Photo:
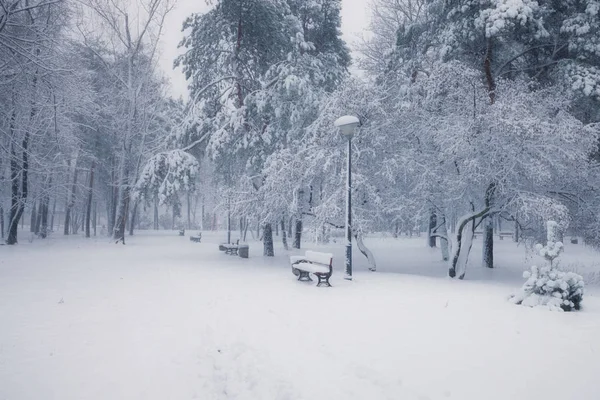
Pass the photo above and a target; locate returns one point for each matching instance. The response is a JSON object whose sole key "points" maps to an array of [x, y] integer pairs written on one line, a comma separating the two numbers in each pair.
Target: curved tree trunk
{"points": [[461, 245], [366, 252]]}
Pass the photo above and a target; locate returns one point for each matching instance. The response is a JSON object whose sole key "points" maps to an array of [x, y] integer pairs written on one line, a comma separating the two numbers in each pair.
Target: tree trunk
{"points": [[298, 234], [112, 201], [13, 217], [228, 223], [488, 230], [33, 217], [133, 218], [284, 234], [487, 67], [121, 218], [88, 214], [155, 222], [488, 242], [38, 219], [53, 214], [123, 198], [71, 200], [461, 245], [366, 252], [268, 250], [2, 222], [431, 230], [444, 241], [203, 216], [95, 217], [189, 211], [18, 197]]}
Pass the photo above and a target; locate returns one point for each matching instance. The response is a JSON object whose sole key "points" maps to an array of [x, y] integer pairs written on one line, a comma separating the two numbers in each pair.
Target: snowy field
{"points": [[164, 318]]}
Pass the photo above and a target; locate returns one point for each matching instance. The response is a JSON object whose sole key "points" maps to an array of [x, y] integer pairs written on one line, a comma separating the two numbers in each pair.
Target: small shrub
{"points": [[547, 286], [551, 288]]}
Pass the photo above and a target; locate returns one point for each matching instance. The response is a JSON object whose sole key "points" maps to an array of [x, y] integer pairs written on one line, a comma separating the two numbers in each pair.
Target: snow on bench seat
{"points": [[314, 268], [319, 264]]}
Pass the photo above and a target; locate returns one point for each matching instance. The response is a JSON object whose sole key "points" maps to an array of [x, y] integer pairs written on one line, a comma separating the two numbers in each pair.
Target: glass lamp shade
{"points": [[347, 125]]}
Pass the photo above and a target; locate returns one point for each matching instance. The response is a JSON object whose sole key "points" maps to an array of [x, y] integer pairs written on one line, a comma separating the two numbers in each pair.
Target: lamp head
{"points": [[347, 125]]}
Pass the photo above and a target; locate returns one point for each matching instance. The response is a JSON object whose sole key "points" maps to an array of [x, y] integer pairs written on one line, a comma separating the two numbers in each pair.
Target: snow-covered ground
{"points": [[164, 318]]}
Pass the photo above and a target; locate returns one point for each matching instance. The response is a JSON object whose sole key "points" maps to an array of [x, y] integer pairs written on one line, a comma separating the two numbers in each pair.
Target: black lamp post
{"points": [[347, 126]]}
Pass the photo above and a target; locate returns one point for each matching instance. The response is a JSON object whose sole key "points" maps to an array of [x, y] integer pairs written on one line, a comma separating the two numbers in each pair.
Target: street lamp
{"points": [[347, 126]]}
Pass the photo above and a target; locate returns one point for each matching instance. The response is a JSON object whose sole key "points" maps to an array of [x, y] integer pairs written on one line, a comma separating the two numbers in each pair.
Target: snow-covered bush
{"points": [[547, 286], [553, 246]]}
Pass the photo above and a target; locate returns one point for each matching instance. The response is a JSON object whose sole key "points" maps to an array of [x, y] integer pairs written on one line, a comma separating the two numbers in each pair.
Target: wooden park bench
{"points": [[502, 235], [196, 238], [313, 262]]}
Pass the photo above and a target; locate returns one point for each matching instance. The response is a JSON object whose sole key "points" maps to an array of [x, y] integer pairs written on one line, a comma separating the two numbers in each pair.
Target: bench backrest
{"points": [[318, 257]]}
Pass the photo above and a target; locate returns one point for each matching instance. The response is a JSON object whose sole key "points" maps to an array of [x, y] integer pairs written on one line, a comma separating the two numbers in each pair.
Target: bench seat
{"points": [[314, 268], [313, 262]]}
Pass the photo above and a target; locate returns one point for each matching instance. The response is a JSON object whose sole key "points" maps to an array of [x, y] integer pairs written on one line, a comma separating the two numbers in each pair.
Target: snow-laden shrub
{"points": [[547, 286]]}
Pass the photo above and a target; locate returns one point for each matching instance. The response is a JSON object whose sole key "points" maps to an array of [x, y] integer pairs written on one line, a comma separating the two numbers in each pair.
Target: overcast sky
{"points": [[354, 20]]}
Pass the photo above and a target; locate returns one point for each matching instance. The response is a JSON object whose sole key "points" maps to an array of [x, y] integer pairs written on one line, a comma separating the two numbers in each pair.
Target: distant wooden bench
{"points": [[502, 235], [235, 249], [231, 249], [182, 232], [196, 238], [313, 262]]}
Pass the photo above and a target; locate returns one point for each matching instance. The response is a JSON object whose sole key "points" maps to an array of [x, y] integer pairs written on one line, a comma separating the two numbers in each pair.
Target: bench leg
{"points": [[304, 276], [323, 280]]}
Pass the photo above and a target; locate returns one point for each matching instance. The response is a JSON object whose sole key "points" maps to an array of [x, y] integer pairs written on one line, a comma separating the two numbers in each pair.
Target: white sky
{"points": [[355, 18]]}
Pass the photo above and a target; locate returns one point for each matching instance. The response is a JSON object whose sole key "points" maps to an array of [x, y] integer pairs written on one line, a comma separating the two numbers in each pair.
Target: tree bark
{"points": [[487, 67], [431, 230], [298, 234], [95, 217], [488, 242], [53, 214], [123, 199], [18, 197], [155, 213], [268, 250], [88, 214], [189, 211], [33, 217], [40, 211], [133, 219], [71, 200], [460, 252], [284, 234], [488, 230], [444, 241], [366, 252]]}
